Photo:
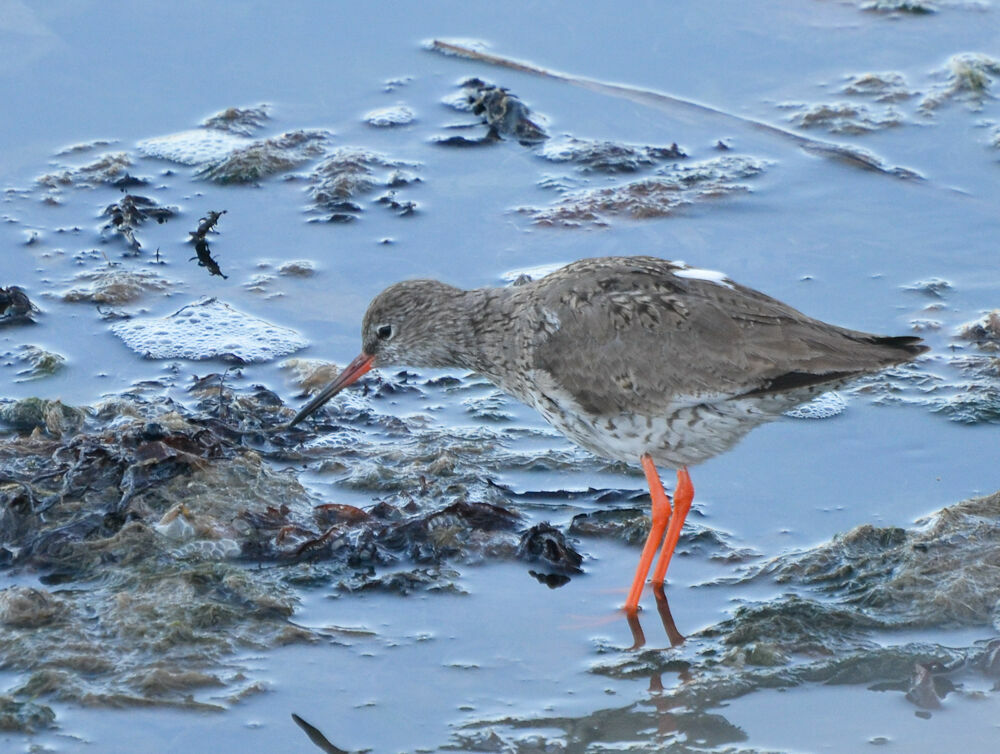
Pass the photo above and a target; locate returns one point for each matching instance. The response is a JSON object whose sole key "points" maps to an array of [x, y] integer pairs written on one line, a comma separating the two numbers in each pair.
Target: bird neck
{"points": [[480, 323]]}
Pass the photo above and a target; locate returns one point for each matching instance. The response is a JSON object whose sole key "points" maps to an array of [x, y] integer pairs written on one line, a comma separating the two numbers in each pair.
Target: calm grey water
{"points": [[838, 242]]}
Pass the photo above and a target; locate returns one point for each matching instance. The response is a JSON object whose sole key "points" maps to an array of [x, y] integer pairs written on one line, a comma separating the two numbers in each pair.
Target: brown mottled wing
{"points": [[627, 335]]}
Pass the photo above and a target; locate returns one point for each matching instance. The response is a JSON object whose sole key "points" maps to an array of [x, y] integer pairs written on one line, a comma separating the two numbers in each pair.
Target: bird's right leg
{"points": [[660, 516]]}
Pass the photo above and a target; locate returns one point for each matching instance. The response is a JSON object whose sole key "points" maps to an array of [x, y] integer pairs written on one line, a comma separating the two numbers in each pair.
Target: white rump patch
{"points": [[695, 273]]}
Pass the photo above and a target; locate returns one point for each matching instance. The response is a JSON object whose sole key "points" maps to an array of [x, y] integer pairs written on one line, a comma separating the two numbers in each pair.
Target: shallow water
{"points": [[841, 243]]}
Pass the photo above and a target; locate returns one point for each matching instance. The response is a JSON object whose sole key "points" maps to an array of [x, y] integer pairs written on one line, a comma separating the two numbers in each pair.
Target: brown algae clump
{"points": [[115, 285], [337, 184], [830, 631], [882, 87], [103, 170], [37, 362], [657, 196], [969, 76], [945, 573], [266, 157], [607, 156], [845, 118], [244, 121]]}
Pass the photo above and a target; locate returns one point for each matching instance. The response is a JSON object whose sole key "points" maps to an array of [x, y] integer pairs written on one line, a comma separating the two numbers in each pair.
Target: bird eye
{"points": [[384, 332]]}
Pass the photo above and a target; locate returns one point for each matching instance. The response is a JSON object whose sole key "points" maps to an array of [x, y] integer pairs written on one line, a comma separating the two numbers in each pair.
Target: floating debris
{"points": [[844, 118], [15, 305], [244, 121], [659, 196], [208, 329], [502, 112], [127, 214], [969, 77], [114, 285], [882, 87], [104, 170], [607, 156], [199, 237], [348, 173], [390, 117]]}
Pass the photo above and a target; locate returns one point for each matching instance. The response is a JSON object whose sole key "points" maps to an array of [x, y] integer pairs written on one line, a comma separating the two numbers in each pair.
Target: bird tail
{"points": [[908, 343]]}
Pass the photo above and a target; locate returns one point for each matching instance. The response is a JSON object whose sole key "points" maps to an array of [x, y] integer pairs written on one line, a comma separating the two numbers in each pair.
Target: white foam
{"points": [[208, 329]]}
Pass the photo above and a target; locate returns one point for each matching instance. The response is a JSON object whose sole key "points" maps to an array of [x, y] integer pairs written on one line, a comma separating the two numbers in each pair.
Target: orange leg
{"points": [[683, 496], [661, 514]]}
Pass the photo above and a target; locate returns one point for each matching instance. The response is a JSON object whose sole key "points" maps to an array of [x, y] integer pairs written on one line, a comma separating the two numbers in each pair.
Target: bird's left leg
{"points": [[683, 495], [660, 517]]}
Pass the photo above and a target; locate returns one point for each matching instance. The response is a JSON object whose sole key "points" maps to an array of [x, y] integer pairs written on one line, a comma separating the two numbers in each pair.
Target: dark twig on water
{"points": [[125, 216], [199, 238], [317, 737]]}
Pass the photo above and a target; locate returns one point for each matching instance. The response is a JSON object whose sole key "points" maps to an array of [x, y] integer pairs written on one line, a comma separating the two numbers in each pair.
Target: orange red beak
{"points": [[352, 372]]}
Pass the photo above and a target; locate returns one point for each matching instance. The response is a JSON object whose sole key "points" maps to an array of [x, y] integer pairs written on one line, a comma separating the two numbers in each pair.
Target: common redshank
{"points": [[633, 358]]}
